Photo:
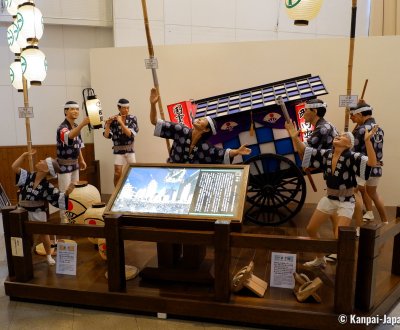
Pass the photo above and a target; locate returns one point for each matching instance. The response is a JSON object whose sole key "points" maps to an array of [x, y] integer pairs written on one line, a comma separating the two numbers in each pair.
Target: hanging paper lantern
{"points": [[301, 11], [12, 39], [12, 6], [30, 23], [16, 76], [34, 65], [94, 112]]}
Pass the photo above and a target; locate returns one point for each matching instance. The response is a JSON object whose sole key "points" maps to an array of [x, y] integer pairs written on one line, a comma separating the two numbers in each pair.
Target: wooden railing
{"points": [[220, 236]]}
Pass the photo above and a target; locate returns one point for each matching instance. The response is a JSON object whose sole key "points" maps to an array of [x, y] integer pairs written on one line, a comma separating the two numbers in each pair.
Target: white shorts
{"points": [[64, 179], [331, 206], [40, 216], [124, 159], [372, 181]]}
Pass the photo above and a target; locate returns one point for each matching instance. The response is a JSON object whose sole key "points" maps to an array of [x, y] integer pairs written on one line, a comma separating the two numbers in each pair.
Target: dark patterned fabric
{"points": [[44, 191], [121, 139], [202, 153], [322, 136], [67, 148], [350, 164], [377, 143]]}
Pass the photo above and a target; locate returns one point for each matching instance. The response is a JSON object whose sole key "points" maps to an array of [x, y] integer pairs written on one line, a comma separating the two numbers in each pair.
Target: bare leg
{"points": [[317, 219], [47, 246], [373, 193], [342, 222], [357, 215], [366, 198], [117, 173]]}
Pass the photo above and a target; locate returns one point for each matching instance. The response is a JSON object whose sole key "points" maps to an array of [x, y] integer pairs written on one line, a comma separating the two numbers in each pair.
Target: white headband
{"points": [[71, 106], [49, 162], [123, 104], [351, 137], [211, 122], [315, 105], [353, 112]]}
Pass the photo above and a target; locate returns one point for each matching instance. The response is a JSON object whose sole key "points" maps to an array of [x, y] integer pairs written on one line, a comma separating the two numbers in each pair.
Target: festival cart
{"points": [[277, 188]]}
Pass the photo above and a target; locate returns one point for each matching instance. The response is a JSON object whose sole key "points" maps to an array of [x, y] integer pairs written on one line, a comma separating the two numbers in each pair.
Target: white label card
{"points": [[16, 247], [66, 258], [283, 265]]}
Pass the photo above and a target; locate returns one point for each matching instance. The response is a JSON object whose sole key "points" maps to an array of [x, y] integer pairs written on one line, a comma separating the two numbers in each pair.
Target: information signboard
{"points": [[183, 190]]}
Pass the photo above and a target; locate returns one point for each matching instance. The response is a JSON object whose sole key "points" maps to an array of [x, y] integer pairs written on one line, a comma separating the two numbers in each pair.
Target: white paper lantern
{"points": [[94, 216], [16, 76], [95, 114], [34, 65], [12, 33], [12, 6], [30, 23], [302, 11], [80, 199]]}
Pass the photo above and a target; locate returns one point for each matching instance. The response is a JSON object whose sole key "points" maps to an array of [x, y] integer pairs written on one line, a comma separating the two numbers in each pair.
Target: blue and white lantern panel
{"points": [[34, 65], [12, 6], [16, 76], [30, 23], [12, 40], [302, 11]]}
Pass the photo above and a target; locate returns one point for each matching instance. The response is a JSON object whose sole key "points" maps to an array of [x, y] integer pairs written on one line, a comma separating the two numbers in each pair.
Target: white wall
{"points": [[175, 22], [67, 52], [199, 71], [72, 12]]}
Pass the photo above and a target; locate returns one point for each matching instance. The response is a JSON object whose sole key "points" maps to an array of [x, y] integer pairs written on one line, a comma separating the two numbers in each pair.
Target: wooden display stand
{"points": [[355, 276]]}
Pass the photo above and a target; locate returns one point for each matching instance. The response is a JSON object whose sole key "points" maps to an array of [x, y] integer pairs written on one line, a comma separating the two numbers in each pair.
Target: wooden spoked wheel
{"points": [[276, 189]]}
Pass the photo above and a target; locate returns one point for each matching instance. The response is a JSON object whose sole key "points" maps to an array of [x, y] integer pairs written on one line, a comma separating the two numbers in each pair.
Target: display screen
{"points": [[192, 191]]}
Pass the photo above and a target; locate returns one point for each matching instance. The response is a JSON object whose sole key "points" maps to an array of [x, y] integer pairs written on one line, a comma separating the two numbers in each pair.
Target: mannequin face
{"points": [[41, 166], [201, 124], [309, 115], [356, 118], [342, 141], [123, 111], [72, 113]]}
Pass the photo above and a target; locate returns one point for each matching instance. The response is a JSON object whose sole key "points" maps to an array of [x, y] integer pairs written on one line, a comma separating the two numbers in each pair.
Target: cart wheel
{"points": [[276, 189]]}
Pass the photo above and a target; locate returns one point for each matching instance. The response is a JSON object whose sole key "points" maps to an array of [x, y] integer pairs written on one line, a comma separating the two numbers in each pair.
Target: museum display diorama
{"points": [[210, 239]]}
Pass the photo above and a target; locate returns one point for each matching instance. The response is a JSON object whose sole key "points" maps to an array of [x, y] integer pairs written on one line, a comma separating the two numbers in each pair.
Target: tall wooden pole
{"points": [[364, 89], [27, 123], [350, 63], [152, 63]]}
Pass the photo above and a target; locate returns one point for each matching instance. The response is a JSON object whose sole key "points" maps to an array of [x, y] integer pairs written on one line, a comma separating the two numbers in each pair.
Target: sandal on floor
{"points": [[308, 289], [331, 257], [300, 280]]}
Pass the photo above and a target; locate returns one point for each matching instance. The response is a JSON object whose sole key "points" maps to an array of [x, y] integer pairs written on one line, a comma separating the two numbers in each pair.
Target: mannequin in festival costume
{"points": [[340, 167], [324, 132], [322, 135], [122, 129], [362, 116], [190, 145], [69, 145], [35, 190]]}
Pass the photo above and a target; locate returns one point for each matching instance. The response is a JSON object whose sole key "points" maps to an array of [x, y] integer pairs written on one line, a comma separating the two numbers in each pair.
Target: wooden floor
{"points": [[90, 288]]}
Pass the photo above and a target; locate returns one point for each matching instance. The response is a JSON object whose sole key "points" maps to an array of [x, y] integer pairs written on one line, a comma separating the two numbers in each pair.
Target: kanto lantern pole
{"points": [[27, 123], [153, 65], [350, 63]]}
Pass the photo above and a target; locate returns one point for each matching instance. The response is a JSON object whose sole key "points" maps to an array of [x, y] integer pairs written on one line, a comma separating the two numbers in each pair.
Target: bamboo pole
{"points": [[350, 62], [27, 123], [364, 89], [153, 69]]}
